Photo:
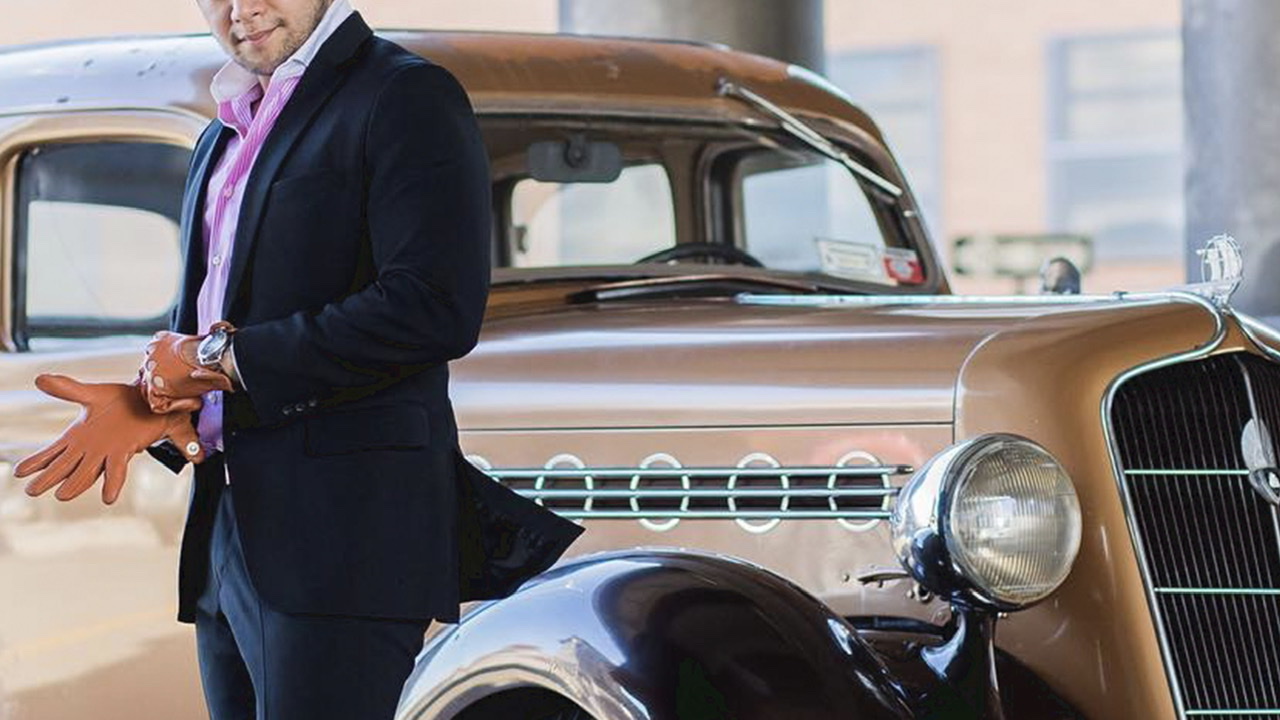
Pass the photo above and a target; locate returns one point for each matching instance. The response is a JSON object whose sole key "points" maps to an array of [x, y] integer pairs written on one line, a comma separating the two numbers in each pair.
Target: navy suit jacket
{"points": [[360, 268]]}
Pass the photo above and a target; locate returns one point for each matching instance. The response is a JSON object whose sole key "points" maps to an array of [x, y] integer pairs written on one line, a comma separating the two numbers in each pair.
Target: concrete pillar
{"points": [[1232, 94], [789, 30]]}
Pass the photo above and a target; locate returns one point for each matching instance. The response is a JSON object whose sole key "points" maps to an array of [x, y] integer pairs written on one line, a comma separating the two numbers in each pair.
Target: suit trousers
{"points": [[257, 663]]}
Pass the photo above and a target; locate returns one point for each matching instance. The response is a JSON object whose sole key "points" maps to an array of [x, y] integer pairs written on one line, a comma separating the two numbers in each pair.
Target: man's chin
{"points": [[257, 66]]}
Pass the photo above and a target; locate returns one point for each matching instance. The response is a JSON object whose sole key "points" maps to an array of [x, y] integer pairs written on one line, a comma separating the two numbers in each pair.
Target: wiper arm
{"points": [[703, 283], [802, 132]]}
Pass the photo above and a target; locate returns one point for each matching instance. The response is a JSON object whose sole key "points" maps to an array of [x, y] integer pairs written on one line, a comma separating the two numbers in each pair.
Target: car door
{"points": [[91, 264]]}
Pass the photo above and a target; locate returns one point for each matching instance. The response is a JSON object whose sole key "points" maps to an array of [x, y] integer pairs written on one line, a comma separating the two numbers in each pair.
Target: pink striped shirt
{"points": [[251, 113]]}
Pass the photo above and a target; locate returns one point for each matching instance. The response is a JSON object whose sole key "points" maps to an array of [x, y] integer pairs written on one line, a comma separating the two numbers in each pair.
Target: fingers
{"points": [[182, 405], [214, 378], [40, 459], [163, 404], [81, 479], [117, 471], [183, 435], [62, 387], [158, 403], [57, 471]]}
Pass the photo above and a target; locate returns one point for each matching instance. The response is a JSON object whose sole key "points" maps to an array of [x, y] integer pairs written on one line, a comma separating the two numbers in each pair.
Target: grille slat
{"points": [[1210, 540]]}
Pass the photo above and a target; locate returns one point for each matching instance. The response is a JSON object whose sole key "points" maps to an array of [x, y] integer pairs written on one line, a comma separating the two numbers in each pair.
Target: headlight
{"points": [[993, 520]]}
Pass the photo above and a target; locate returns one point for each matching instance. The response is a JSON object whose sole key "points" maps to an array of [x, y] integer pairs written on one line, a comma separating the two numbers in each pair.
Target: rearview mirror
{"points": [[575, 161]]}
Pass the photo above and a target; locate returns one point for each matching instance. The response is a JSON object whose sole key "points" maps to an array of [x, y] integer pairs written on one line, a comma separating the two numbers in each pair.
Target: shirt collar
{"points": [[231, 80]]}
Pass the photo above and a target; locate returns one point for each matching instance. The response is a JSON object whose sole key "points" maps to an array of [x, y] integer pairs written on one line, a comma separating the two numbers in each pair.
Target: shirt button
{"points": [[228, 192], [217, 259]]}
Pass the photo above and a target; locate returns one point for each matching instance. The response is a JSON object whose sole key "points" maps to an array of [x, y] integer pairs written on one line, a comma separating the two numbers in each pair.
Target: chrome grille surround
{"points": [[1215, 599]]}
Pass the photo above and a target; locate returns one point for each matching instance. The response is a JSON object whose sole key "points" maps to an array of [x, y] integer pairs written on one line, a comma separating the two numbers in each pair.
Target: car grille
{"points": [[1208, 539]]}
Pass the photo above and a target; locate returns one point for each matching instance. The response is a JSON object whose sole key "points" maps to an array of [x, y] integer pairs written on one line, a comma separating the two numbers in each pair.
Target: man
{"points": [[337, 227]]}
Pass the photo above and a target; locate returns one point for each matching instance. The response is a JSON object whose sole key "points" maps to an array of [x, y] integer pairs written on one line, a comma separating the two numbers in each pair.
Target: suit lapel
{"points": [[207, 150], [318, 82]]}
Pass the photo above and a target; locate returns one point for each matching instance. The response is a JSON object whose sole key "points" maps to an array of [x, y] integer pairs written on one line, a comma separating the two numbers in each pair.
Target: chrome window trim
{"points": [[749, 298], [1197, 353]]}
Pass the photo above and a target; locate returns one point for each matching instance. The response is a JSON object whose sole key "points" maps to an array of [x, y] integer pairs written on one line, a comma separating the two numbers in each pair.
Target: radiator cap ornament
{"points": [[1221, 268]]}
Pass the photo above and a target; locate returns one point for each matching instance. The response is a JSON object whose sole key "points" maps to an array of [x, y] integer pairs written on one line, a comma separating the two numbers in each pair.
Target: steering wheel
{"points": [[702, 249]]}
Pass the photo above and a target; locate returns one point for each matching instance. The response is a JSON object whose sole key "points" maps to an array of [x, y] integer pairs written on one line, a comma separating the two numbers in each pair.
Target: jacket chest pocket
{"points": [[313, 206], [312, 224], [386, 427]]}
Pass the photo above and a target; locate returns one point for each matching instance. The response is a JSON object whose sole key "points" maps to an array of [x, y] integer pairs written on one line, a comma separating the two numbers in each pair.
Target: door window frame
{"points": [[21, 133]]}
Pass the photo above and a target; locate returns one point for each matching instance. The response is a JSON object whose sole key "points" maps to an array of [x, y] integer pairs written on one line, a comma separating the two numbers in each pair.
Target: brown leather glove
{"points": [[114, 425], [171, 374]]}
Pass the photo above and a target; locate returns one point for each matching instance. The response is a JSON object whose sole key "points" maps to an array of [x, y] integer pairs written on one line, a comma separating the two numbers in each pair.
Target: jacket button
{"points": [[288, 410], [311, 402]]}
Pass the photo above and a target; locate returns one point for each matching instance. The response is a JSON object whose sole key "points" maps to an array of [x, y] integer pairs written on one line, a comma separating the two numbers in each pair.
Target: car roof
{"points": [[502, 72]]}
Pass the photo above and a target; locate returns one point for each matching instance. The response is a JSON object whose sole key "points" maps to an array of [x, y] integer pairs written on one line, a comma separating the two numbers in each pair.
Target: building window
{"points": [[1115, 144], [899, 88]]}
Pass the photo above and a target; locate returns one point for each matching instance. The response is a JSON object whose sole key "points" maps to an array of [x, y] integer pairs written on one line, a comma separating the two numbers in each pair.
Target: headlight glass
{"points": [[1014, 521]]}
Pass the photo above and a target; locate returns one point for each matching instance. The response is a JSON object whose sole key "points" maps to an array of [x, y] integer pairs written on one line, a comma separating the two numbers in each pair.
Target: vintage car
{"points": [[815, 483]]}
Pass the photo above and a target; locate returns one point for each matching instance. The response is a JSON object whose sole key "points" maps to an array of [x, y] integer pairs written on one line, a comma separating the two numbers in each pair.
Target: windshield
{"points": [[697, 194]]}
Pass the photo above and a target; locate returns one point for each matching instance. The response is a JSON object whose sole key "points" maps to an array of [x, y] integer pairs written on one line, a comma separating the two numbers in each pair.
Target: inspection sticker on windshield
{"points": [[903, 265], [856, 261]]}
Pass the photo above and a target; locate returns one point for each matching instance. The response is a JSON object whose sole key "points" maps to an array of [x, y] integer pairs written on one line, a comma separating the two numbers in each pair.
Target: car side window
{"points": [[804, 212], [593, 223], [97, 251]]}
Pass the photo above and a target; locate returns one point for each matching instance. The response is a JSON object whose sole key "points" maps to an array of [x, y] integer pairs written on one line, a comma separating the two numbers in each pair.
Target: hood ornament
{"points": [[1221, 269]]}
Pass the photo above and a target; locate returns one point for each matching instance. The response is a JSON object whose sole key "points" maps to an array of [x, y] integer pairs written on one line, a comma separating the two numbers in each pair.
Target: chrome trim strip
{"points": [[1217, 591], [1266, 711], [1187, 472], [627, 473], [727, 514], [642, 493], [1219, 334], [1250, 327], [749, 298]]}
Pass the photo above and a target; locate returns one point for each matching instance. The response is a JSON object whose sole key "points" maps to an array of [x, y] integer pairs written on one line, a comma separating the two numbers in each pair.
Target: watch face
{"points": [[210, 349]]}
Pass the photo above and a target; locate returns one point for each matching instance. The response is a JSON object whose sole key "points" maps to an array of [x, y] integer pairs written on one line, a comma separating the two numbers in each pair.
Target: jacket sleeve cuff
{"points": [[168, 455]]}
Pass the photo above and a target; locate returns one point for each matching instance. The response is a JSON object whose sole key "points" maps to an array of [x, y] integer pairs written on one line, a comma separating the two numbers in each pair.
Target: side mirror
{"points": [[575, 160], [1059, 276]]}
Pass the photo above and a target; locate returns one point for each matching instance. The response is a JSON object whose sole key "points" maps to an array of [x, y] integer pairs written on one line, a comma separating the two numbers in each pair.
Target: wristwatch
{"points": [[210, 350]]}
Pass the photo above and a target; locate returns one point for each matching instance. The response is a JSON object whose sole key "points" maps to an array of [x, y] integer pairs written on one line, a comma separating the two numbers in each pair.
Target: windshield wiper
{"points": [[802, 132], [703, 284]]}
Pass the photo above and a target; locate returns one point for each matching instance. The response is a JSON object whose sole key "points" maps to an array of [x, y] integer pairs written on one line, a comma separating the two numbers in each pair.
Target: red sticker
{"points": [[903, 265]]}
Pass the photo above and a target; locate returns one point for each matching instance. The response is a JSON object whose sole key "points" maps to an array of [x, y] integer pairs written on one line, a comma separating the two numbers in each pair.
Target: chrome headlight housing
{"points": [[992, 522]]}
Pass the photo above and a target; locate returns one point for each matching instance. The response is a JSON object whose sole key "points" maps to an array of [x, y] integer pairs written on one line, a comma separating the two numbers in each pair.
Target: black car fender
{"points": [[656, 633]]}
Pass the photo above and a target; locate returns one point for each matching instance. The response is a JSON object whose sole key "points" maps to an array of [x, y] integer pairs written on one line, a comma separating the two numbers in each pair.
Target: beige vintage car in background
{"points": [[815, 483]]}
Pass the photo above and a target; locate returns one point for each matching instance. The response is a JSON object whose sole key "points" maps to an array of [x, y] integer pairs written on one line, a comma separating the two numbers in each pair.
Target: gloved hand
{"points": [[170, 372], [114, 425]]}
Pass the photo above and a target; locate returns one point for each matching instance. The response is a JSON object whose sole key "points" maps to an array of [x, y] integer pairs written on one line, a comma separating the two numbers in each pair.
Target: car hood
{"points": [[726, 362]]}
